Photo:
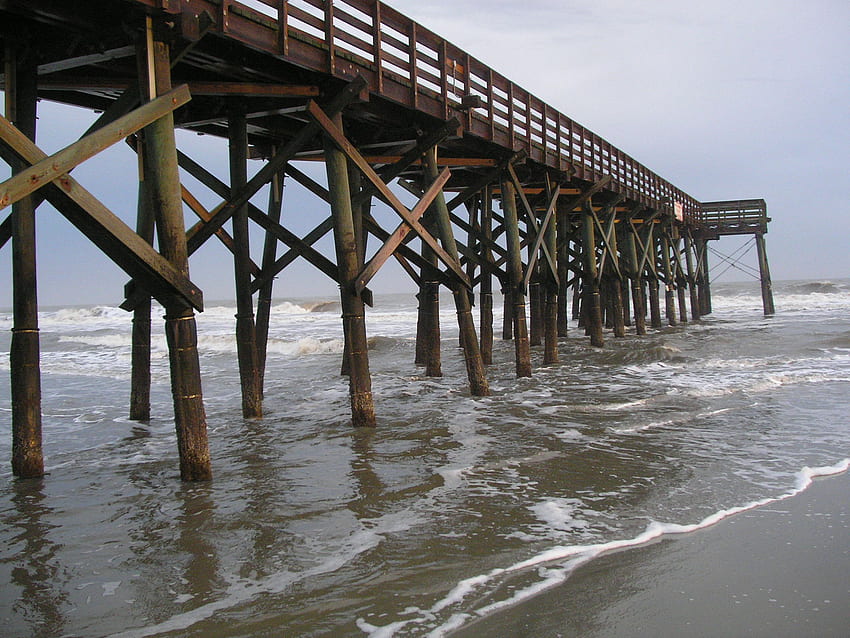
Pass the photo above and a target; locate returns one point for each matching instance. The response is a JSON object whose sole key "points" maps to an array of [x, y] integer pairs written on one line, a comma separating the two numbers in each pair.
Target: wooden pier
{"points": [[509, 191]]}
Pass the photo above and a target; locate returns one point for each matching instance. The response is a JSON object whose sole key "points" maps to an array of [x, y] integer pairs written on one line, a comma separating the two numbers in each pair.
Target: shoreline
{"points": [[776, 570]]}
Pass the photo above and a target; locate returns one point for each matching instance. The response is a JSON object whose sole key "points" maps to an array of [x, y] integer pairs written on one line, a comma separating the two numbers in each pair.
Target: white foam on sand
{"points": [[556, 564]]}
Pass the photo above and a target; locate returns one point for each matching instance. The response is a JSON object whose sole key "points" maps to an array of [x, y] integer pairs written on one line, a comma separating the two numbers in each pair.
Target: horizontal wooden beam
{"points": [[240, 89], [85, 60], [392, 159]]}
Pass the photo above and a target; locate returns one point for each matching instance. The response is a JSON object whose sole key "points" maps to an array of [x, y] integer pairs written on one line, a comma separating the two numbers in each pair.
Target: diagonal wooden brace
{"points": [[538, 242], [274, 165], [109, 233], [384, 191], [607, 235], [531, 217], [397, 237], [53, 167]]}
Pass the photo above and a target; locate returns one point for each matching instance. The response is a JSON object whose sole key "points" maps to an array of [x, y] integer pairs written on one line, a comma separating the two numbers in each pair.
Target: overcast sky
{"points": [[725, 99]]}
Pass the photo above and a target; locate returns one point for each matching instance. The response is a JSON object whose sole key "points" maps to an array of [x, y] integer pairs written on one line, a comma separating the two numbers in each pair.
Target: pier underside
{"points": [[511, 196]]}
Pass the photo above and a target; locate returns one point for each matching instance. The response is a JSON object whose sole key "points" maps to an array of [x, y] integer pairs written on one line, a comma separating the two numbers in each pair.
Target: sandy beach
{"points": [[779, 570]]}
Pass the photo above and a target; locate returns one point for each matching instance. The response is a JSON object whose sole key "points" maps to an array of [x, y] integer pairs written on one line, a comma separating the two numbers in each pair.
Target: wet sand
{"points": [[780, 570]]}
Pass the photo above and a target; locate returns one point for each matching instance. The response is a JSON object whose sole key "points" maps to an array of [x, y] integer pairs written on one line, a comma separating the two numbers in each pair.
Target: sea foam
{"points": [[557, 563]]}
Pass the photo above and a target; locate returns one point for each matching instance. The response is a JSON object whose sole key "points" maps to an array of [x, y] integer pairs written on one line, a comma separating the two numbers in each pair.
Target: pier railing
{"points": [[734, 217], [405, 62]]}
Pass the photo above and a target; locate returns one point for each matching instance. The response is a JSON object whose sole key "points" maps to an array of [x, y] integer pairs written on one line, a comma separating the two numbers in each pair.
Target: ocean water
{"points": [[452, 509]]}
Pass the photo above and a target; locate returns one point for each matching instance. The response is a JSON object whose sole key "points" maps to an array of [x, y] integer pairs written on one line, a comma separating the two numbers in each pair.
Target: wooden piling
{"points": [[264, 294], [431, 338], [140, 365], [486, 294], [692, 282], [591, 304], [550, 289], [507, 312], [180, 329], [522, 349], [654, 302], [140, 352], [353, 308], [631, 260], [563, 244], [535, 311], [681, 283], [615, 288], [764, 276], [627, 302], [705, 280], [478, 385], [669, 287], [21, 91], [246, 335]]}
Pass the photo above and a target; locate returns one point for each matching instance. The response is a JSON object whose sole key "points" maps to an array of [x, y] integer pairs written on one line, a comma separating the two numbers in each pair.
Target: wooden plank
{"points": [[109, 233], [61, 162]]}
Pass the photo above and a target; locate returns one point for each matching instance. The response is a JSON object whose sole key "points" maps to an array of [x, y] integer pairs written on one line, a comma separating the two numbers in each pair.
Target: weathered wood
{"points": [[140, 365], [564, 237], [246, 335], [109, 233], [634, 274], [53, 167], [539, 241], [399, 234], [264, 298], [691, 275], [353, 310], [429, 337], [591, 304], [386, 173], [298, 246], [204, 215], [669, 287], [705, 280], [654, 303], [531, 218], [522, 349], [764, 276], [614, 276], [550, 288], [535, 313], [25, 374], [478, 385], [180, 328], [384, 191], [486, 294], [238, 199]]}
